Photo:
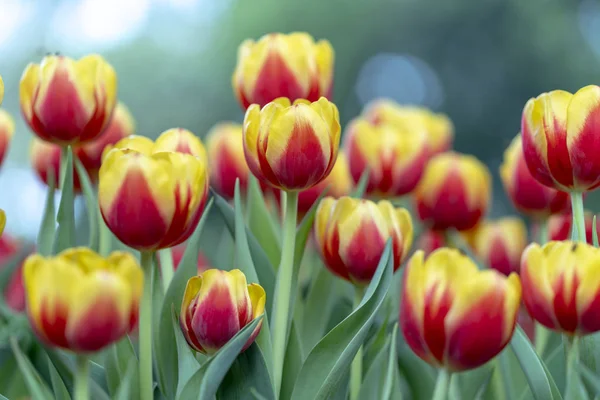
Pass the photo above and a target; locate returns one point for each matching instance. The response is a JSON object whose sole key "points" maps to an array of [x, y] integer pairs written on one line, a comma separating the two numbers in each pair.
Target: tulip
{"points": [[454, 192], [81, 301], [121, 125], [280, 65], [559, 227], [177, 253], [218, 304], [7, 130], [68, 101], [1, 90], [14, 293], [292, 147], [46, 160], [225, 145], [528, 195], [500, 243], [149, 198], [561, 286], [182, 141], [438, 128], [431, 240], [394, 156], [453, 315], [351, 235]]}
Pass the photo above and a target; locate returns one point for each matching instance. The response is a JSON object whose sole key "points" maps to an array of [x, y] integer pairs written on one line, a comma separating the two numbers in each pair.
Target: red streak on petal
{"points": [[479, 336], [357, 164], [364, 252], [589, 320], [134, 217], [584, 152], [225, 170], [534, 158], [534, 300], [499, 258], [434, 323], [565, 307], [52, 323], [331, 255], [252, 337]]}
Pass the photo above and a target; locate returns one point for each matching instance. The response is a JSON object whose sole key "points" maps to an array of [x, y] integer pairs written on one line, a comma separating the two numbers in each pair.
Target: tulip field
{"points": [[290, 257]]}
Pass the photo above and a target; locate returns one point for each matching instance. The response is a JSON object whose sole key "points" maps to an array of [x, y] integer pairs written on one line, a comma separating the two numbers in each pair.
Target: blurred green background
{"points": [[478, 61]]}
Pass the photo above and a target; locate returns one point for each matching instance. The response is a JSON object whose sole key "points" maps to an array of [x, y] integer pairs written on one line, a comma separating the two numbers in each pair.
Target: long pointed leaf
{"points": [[65, 365], [361, 186], [117, 359], [58, 386], [249, 371], [34, 382], [330, 359], [48, 226], [65, 233], [261, 223], [187, 364], [91, 203]]}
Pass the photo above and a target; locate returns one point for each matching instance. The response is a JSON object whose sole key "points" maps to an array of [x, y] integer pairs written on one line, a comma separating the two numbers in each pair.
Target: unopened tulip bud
{"points": [[81, 301], [454, 192], [292, 146], [351, 235], [68, 101], [452, 314], [293, 66], [500, 243], [218, 304], [182, 141]]}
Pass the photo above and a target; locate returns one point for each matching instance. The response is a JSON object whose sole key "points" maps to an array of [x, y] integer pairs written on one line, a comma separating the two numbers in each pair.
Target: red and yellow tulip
{"points": [[500, 243], [528, 195], [280, 65], [559, 138], [561, 286], [559, 227], [454, 192], [394, 156], [218, 304], [81, 301], [431, 240], [225, 144], [68, 101], [452, 314], [150, 198], [14, 293], [438, 128], [292, 146], [45, 159], [7, 130], [121, 125], [351, 235], [182, 141]]}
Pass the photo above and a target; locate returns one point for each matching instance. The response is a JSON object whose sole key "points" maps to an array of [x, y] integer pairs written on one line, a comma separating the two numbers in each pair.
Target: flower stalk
{"points": [[82, 391], [145, 328], [356, 367], [441, 385]]}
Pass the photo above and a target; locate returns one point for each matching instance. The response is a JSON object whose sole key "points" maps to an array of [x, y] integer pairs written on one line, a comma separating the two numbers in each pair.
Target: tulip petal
{"points": [[188, 306], [28, 88], [180, 140]]}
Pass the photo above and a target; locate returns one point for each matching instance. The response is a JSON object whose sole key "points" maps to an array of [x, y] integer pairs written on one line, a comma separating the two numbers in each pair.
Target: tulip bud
{"points": [[279, 65], [528, 195], [351, 235], [225, 145], [7, 130], [395, 157], [14, 293], [121, 125], [292, 147], [500, 243], [453, 315], [454, 192], [81, 301], [182, 141], [45, 159], [559, 227], [438, 128], [560, 139], [561, 286], [218, 304], [150, 198], [68, 101]]}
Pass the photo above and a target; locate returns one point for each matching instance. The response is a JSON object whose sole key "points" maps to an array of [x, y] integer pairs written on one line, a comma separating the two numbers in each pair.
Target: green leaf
{"points": [[292, 363], [594, 232], [187, 365], [264, 268], [65, 365], [590, 377], [361, 186], [392, 366], [533, 367], [419, 375], [34, 382], [317, 309], [205, 382], [330, 359], [65, 233], [117, 359], [48, 226], [244, 261], [249, 371], [91, 203], [481, 391], [129, 380], [58, 386], [261, 223], [165, 345]]}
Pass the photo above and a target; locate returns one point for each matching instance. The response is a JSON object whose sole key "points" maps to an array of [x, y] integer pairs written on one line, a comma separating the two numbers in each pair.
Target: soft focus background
{"points": [[478, 61]]}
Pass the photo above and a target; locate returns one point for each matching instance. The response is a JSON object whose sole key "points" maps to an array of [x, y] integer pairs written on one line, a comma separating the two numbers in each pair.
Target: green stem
{"points": [[356, 367], [283, 288], [578, 217], [167, 268], [573, 386], [441, 385], [82, 391], [542, 334], [145, 329]]}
